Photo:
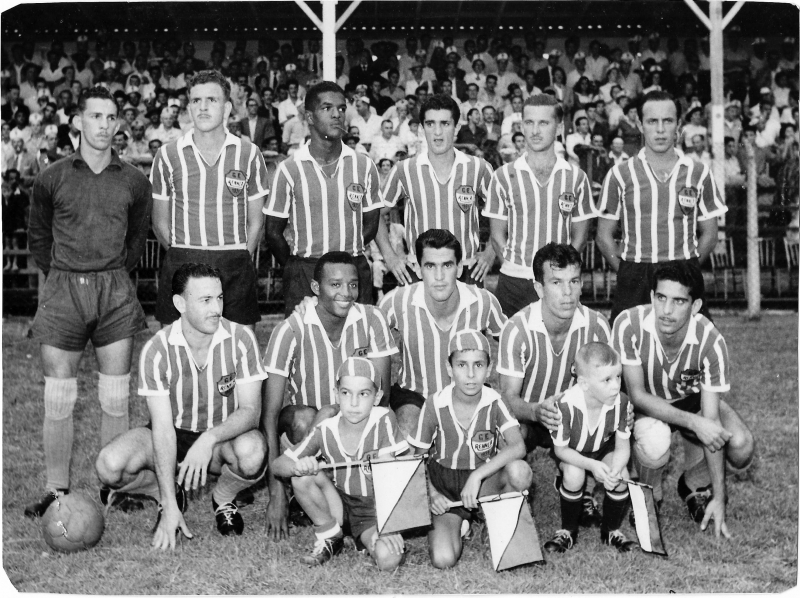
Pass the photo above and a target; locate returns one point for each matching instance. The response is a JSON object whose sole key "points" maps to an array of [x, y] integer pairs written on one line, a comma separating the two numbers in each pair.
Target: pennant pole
{"points": [[492, 498], [372, 461]]}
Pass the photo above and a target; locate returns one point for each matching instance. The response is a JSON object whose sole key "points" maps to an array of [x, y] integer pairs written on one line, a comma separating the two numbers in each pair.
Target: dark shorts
{"points": [[79, 306], [514, 293], [402, 396], [635, 281], [359, 514], [239, 283], [450, 483], [183, 441], [535, 434], [690, 404], [299, 272], [466, 277], [598, 455]]}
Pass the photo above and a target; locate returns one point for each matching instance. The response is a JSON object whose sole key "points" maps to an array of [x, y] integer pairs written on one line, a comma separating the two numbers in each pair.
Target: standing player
{"points": [[202, 379], [537, 199], [668, 204], [441, 188], [208, 188], [426, 315], [306, 351], [89, 219], [675, 364], [329, 194]]}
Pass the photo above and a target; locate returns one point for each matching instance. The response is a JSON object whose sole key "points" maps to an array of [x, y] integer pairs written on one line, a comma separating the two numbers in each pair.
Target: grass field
{"points": [[763, 509]]}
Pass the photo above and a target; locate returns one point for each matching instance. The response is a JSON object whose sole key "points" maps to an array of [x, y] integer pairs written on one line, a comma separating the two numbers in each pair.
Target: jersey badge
{"points": [[226, 384], [566, 203], [483, 443], [687, 199], [465, 196], [690, 380], [355, 195], [360, 351], [235, 180], [366, 465]]}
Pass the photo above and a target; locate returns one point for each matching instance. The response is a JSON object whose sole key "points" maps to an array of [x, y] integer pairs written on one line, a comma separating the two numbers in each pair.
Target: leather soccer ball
{"points": [[72, 522]]}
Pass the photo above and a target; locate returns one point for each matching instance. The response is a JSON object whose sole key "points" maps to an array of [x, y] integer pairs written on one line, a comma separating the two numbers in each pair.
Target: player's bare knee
{"points": [[385, 558], [407, 418], [443, 558], [300, 425], [741, 448], [519, 475], [574, 477], [652, 440], [110, 465], [250, 450], [303, 484]]}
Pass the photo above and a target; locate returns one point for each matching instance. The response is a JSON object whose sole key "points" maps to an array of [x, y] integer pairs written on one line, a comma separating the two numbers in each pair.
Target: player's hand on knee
{"points": [[306, 466], [305, 305], [548, 414], [602, 474], [194, 468], [394, 543], [715, 509], [469, 494], [711, 434], [439, 503], [171, 522]]}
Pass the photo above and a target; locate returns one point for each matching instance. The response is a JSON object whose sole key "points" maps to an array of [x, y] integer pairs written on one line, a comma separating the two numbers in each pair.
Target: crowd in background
{"points": [[599, 85]]}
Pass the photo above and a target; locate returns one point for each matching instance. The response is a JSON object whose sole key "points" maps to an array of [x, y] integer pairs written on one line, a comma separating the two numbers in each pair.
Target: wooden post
{"points": [[753, 264]]}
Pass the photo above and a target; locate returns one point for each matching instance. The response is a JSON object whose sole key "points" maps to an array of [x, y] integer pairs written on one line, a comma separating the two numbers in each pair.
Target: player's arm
{"points": [[498, 230], [606, 243], [715, 460], [620, 456], [383, 366], [372, 221], [570, 456], [546, 412], [513, 450], [275, 240], [272, 402], [255, 221], [138, 223], [706, 237], [40, 225], [395, 263], [579, 234], [161, 221]]}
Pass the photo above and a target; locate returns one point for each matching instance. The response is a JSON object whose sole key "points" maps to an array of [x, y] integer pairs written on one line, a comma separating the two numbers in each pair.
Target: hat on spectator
{"points": [[109, 64], [450, 49], [262, 58], [362, 86], [138, 122], [414, 121], [123, 132], [51, 131], [626, 57], [759, 41], [420, 52], [364, 99], [764, 90], [82, 38], [501, 56], [469, 340], [35, 119], [132, 89], [613, 65], [16, 134], [655, 69], [66, 67], [127, 107], [438, 44], [555, 52], [733, 104], [789, 40], [654, 35], [692, 110], [579, 56], [174, 102], [635, 38], [361, 367], [291, 67]]}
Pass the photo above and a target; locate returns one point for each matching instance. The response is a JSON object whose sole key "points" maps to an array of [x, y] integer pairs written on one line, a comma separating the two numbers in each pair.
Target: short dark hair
{"points": [[684, 273], [313, 94], [332, 257], [437, 238], [543, 99], [658, 96], [210, 76], [101, 93], [191, 270], [517, 134], [440, 101], [558, 255]]}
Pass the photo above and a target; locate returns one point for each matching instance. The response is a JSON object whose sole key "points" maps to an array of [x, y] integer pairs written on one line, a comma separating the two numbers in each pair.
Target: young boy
{"points": [[359, 430], [593, 436], [459, 425]]}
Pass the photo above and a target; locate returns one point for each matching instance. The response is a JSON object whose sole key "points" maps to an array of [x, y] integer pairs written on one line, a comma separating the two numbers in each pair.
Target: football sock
{"points": [[145, 483], [614, 505], [571, 509], [327, 530], [652, 477], [229, 485], [113, 393], [60, 395], [697, 476]]}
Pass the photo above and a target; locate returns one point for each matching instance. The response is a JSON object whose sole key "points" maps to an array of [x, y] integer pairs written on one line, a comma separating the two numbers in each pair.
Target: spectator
{"points": [[255, 127], [560, 89], [544, 77], [289, 106], [138, 151], [472, 103], [417, 80], [368, 122], [653, 80], [23, 162], [596, 64], [476, 74], [694, 126], [394, 90], [386, 145], [504, 76], [628, 79], [493, 131], [579, 72], [630, 130], [295, 131], [698, 151], [582, 94], [489, 97], [733, 122], [617, 151], [530, 89], [471, 135], [579, 143], [13, 102], [166, 131], [513, 113], [15, 204]]}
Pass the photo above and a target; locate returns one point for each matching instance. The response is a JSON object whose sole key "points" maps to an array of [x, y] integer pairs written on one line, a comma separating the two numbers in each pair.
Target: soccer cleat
{"points": [[695, 501], [37, 509], [297, 516], [126, 503], [180, 498], [618, 540], [229, 521], [590, 516], [562, 541], [324, 550], [244, 498]]}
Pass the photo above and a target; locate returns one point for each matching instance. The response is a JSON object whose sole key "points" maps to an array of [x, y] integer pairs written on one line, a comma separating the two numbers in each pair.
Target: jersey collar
{"points": [[461, 158], [649, 324], [521, 163], [536, 322], [466, 296], [188, 139], [683, 160], [304, 153], [177, 338], [311, 318], [446, 399], [372, 420]]}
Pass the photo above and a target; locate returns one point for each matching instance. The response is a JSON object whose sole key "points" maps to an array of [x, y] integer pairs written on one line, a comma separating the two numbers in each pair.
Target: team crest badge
{"points": [[366, 466], [235, 180], [226, 384], [483, 443], [360, 351], [355, 195], [690, 380], [687, 199], [566, 203], [465, 196]]}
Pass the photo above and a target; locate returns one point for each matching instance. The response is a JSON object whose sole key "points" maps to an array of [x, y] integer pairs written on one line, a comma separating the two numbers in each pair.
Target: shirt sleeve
{"points": [[503, 419], [711, 202], [138, 220], [372, 198], [160, 176], [310, 446], [584, 205], [394, 188], [280, 353], [484, 181], [40, 223], [387, 307], [281, 195], [153, 366], [561, 436], [622, 429], [513, 353], [611, 195], [715, 366], [426, 426], [624, 340], [496, 319], [381, 340], [249, 368], [497, 198], [602, 331], [257, 179], [392, 441]]}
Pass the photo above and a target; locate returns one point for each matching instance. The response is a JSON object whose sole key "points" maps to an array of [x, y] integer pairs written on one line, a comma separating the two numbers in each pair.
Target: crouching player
{"points": [[461, 423], [360, 430], [593, 436]]}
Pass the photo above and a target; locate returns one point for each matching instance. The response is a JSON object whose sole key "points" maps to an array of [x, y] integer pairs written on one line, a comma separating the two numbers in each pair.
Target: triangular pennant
{"points": [[401, 495], [647, 526], [513, 538]]}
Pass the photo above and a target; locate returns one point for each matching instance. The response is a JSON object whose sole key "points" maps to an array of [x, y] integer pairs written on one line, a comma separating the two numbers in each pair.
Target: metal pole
{"points": [[717, 94], [753, 264], [329, 40]]}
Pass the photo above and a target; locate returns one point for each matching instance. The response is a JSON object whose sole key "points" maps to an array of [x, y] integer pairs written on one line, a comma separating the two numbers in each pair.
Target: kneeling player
{"points": [[593, 436], [675, 364], [202, 378], [360, 429], [461, 423]]}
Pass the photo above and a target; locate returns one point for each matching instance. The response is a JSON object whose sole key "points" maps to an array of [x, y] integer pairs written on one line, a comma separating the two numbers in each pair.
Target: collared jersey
{"points": [[659, 220], [526, 350], [381, 437], [424, 343], [456, 446], [537, 214], [209, 202], [574, 429], [429, 203], [202, 396], [702, 363], [325, 213], [300, 350]]}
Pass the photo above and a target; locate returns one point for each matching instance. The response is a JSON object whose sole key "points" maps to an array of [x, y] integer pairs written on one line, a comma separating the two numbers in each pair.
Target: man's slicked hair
{"points": [[440, 101], [101, 93], [210, 76], [437, 238], [558, 255], [192, 270], [313, 94], [658, 96], [332, 257], [544, 99], [684, 273]]}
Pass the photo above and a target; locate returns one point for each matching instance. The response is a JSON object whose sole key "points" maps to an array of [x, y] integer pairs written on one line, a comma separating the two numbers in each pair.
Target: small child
{"points": [[593, 436], [461, 423], [360, 429]]}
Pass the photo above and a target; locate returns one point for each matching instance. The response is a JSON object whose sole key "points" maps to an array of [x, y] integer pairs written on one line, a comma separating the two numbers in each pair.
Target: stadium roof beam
{"points": [[328, 25], [499, 18]]}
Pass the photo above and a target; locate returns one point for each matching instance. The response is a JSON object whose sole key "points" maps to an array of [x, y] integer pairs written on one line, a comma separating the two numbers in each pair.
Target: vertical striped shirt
{"points": [[325, 213], [209, 202], [381, 437], [456, 446], [574, 429], [424, 343], [202, 396], [659, 220], [526, 350], [451, 205], [537, 214], [300, 350], [702, 363]]}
